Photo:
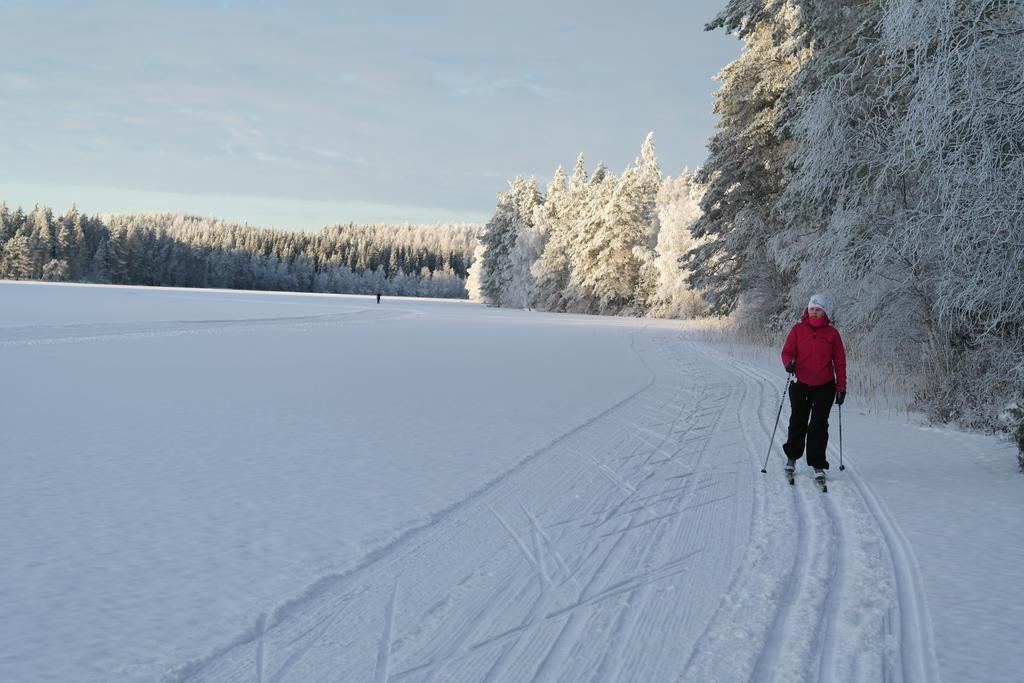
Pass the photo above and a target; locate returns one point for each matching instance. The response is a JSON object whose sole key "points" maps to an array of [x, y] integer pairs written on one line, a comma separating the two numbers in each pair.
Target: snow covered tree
{"points": [[522, 290], [742, 17], [619, 242], [744, 172], [678, 209], [117, 255], [596, 254], [16, 263], [561, 212], [473, 279], [513, 215], [41, 240], [55, 270], [834, 164], [648, 185], [71, 243], [1012, 418], [7, 227], [597, 235], [964, 124], [99, 269]]}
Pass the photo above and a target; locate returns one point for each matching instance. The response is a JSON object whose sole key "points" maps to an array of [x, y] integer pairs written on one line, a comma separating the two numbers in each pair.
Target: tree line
{"points": [[594, 242], [188, 251]]}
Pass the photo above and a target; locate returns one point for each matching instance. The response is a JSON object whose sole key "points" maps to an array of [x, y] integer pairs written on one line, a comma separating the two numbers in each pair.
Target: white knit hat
{"points": [[819, 301]]}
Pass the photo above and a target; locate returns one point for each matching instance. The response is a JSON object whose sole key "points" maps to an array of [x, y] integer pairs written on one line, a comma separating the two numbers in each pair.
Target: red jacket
{"points": [[819, 353]]}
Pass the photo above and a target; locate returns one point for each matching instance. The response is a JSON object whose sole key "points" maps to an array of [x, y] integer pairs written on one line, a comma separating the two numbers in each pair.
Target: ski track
{"points": [[642, 545], [31, 335], [843, 607]]}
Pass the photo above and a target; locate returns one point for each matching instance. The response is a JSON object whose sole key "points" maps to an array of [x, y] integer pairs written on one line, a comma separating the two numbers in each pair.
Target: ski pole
{"points": [[841, 465], [769, 453]]}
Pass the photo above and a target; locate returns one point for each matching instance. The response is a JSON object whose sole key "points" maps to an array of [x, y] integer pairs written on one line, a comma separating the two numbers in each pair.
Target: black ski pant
{"points": [[808, 422]]}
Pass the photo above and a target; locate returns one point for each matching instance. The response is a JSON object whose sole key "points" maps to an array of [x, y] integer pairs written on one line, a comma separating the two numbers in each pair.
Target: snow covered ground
{"points": [[222, 486]]}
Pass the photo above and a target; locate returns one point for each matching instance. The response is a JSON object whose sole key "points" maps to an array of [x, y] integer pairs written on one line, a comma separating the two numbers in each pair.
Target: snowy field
{"points": [[223, 486]]}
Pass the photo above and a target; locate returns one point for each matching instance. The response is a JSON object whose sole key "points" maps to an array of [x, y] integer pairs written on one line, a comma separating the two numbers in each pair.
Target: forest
{"points": [[187, 251]]}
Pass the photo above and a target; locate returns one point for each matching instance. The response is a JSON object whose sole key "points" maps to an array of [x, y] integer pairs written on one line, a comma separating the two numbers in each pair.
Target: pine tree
{"points": [[678, 210], [474, 278], [514, 214], [561, 213], [16, 263], [744, 172], [100, 269], [591, 236], [72, 243], [649, 183], [619, 236], [522, 290], [55, 270], [7, 227], [41, 240]]}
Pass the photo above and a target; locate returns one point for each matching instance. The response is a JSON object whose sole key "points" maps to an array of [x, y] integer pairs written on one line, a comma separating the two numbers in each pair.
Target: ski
{"points": [[790, 477], [820, 481]]}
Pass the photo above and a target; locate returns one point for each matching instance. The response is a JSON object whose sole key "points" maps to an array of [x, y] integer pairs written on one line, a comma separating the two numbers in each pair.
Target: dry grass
{"points": [[876, 385]]}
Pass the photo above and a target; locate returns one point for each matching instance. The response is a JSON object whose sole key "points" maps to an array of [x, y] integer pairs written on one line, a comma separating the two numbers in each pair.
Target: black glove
{"points": [[791, 366], [840, 397]]}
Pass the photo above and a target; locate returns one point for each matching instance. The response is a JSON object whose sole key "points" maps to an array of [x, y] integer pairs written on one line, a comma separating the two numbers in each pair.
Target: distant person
{"points": [[814, 351], [378, 297]]}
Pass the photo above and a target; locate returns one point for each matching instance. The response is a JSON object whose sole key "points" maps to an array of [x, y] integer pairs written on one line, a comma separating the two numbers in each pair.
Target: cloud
{"points": [[469, 86], [338, 156], [348, 101], [265, 158], [263, 211]]}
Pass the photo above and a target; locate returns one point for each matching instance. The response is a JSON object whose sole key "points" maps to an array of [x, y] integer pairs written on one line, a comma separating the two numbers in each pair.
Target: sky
{"points": [[299, 114]]}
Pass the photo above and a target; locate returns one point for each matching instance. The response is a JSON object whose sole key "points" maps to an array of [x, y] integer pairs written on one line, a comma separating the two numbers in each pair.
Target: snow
{"points": [[210, 485]]}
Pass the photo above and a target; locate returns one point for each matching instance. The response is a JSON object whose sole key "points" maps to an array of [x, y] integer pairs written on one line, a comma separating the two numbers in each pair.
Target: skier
{"points": [[378, 297], [814, 351]]}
